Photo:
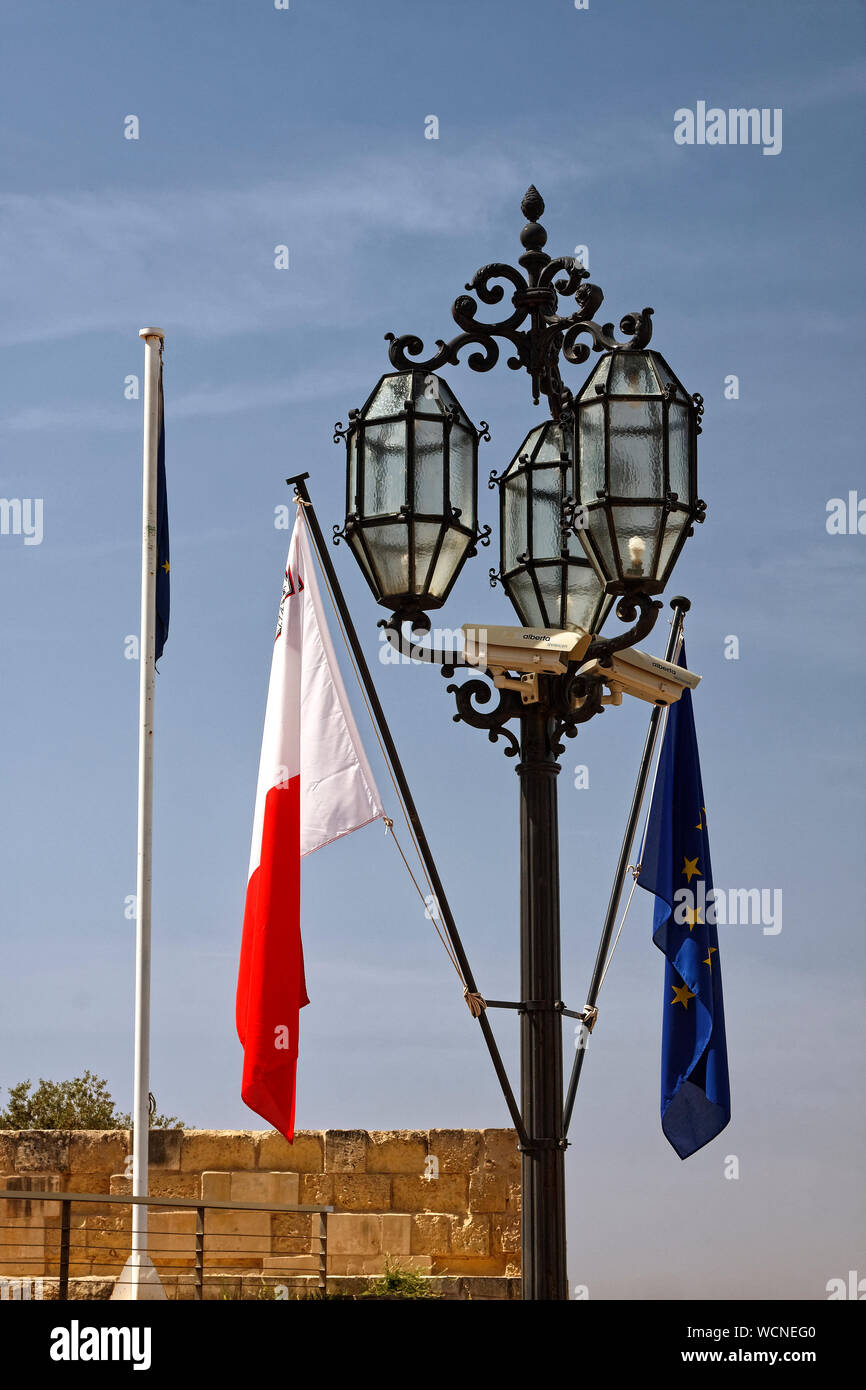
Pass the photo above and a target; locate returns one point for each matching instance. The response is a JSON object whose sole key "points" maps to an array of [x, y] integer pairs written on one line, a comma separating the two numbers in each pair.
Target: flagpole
{"points": [[298, 482], [153, 341], [680, 606]]}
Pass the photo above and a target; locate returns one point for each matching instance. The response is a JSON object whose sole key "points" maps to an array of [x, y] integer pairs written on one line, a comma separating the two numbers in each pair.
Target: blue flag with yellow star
{"points": [[163, 583], [675, 866]]}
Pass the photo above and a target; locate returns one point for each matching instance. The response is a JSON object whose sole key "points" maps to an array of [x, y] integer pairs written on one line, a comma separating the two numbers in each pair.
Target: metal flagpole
{"points": [[139, 1261], [299, 484], [680, 606]]}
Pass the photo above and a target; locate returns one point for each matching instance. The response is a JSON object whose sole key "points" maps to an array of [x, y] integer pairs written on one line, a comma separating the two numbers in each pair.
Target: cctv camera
{"points": [[646, 677]]}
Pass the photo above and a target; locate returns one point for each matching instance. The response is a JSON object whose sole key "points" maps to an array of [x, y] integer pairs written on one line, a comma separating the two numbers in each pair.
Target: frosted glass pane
{"points": [[638, 523], [389, 546], [591, 451], [678, 451], [390, 397], [454, 547], [549, 579], [426, 540], [521, 591], [630, 375], [462, 483], [553, 446], [429, 468], [636, 465], [514, 541], [676, 523], [584, 594], [384, 468], [546, 512]]}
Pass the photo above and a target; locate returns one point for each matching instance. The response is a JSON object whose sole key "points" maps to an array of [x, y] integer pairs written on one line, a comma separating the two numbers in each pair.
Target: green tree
{"points": [[82, 1103]]}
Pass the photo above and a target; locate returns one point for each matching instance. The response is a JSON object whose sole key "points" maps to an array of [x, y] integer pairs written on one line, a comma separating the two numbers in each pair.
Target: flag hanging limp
{"points": [[315, 785], [163, 583], [675, 866]]}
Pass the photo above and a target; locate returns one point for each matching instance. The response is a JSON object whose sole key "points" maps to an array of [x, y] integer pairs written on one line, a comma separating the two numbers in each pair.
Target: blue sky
{"points": [[306, 128]]}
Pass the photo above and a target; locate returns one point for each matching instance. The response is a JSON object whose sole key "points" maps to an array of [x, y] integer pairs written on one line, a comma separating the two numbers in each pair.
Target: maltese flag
{"points": [[315, 785]]}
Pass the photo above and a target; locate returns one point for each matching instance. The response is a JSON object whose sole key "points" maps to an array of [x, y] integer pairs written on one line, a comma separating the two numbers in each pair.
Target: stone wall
{"points": [[443, 1202]]}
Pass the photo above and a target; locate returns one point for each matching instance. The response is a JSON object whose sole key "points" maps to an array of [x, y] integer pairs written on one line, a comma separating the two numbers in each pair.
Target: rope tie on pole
{"points": [[474, 1002]]}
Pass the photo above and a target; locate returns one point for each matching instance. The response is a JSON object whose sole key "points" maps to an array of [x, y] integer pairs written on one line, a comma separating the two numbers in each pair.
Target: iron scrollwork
{"points": [[535, 297]]}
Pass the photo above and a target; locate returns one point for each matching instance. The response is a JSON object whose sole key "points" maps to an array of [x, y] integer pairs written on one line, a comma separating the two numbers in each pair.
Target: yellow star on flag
{"points": [[165, 566], [700, 824], [682, 995], [690, 868], [694, 918], [709, 959]]}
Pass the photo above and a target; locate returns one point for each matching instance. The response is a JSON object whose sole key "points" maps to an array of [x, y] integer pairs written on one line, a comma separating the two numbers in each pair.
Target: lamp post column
{"points": [[543, 1165]]}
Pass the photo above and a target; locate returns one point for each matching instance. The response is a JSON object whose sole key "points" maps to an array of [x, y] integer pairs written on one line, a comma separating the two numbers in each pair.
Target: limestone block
{"points": [[375, 1264], [431, 1235], [216, 1187], [345, 1151], [397, 1234], [87, 1182], [354, 1234], [486, 1288], [291, 1264], [164, 1148], [292, 1223], [363, 1192], [397, 1151], [470, 1235], [8, 1147], [280, 1188], [500, 1152], [505, 1235], [317, 1189], [456, 1149], [513, 1198], [468, 1264], [448, 1193], [159, 1185], [242, 1234], [171, 1237], [42, 1151], [487, 1192], [305, 1155], [97, 1151], [208, 1149]]}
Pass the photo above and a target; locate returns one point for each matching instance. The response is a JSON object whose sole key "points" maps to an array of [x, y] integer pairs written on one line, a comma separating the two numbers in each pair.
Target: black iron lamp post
{"points": [[595, 507]]}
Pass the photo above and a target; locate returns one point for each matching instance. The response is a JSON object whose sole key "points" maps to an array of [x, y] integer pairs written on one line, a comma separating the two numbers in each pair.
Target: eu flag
{"points": [[163, 583], [675, 866]]}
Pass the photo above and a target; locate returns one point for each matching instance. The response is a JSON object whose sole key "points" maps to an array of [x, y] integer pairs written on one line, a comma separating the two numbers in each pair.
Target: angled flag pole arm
{"points": [[299, 482], [680, 606]]}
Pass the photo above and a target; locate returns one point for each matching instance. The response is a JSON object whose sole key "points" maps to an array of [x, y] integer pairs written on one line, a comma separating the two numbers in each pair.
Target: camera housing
{"points": [[641, 675]]}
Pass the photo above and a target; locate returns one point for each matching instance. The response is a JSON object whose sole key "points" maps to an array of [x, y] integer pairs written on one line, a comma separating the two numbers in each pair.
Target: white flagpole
{"points": [[139, 1262]]}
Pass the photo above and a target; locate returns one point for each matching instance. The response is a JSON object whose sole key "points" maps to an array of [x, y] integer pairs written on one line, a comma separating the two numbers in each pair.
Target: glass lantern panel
{"points": [[514, 539], [631, 375], [360, 556], [521, 591], [636, 525], [454, 547], [597, 378], [591, 451], [678, 451], [389, 548], [384, 468], [636, 463], [390, 398], [674, 527], [584, 596], [598, 532], [553, 445], [462, 470], [666, 376], [429, 468], [432, 394], [546, 486], [550, 581], [426, 540], [352, 474]]}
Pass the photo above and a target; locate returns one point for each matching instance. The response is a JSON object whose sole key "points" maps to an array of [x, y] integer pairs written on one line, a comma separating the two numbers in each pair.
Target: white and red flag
{"points": [[315, 785]]}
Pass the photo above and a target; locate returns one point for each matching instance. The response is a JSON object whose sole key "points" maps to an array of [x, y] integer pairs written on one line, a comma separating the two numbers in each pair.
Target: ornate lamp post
{"points": [[595, 507]]}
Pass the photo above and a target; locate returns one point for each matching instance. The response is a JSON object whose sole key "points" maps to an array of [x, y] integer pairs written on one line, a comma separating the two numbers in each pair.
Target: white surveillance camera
{"points": [[643, 676], [528, 650]]}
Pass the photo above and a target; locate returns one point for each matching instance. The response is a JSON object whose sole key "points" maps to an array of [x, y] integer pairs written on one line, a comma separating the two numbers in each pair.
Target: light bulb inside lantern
{"points": [[636, 548]]}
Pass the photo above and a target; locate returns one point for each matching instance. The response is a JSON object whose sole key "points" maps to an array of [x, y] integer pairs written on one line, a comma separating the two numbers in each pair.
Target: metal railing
{"points": [[318, 1234]]}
